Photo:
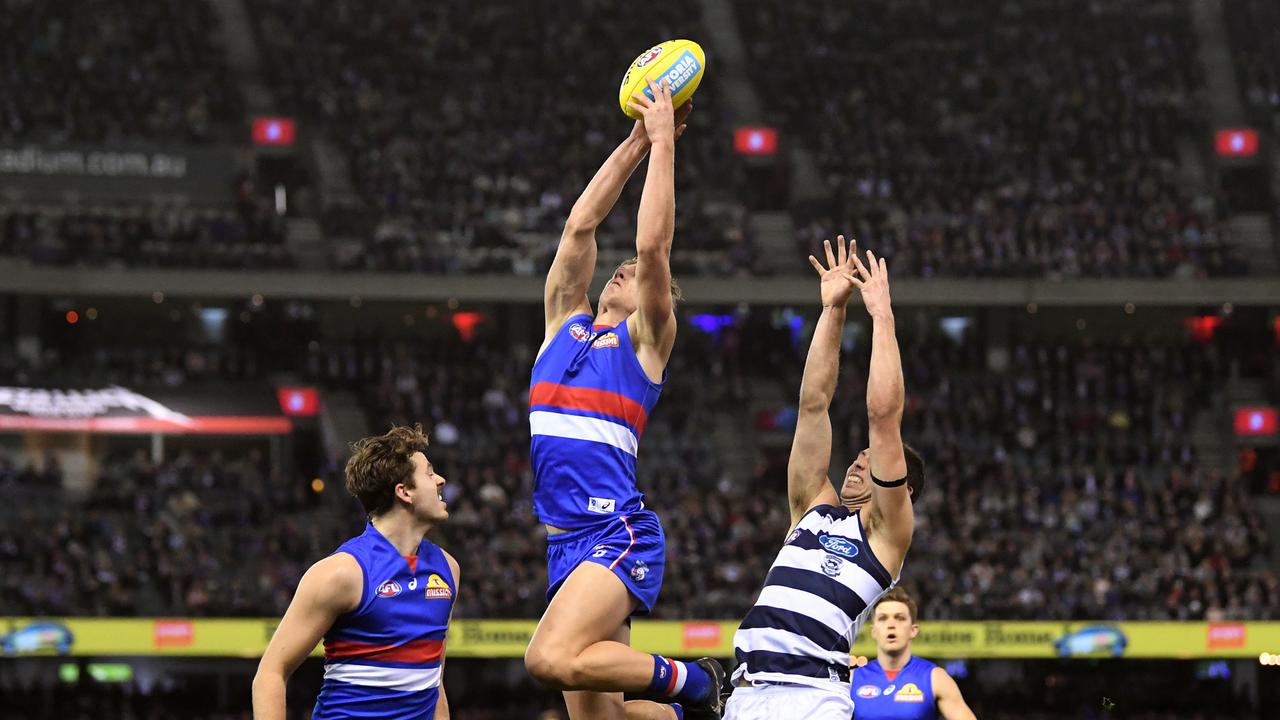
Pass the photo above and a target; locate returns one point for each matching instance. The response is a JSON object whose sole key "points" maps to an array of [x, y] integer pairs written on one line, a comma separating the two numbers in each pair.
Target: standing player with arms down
{"points": [[843, 551], [594, 383], [382, 601], [897, 685]]}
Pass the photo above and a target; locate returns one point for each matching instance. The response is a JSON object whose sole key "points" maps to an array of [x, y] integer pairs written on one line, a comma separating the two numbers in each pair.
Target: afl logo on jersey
{"points": [[839, 546], [389, 589], [866, 692], [579, 332]]}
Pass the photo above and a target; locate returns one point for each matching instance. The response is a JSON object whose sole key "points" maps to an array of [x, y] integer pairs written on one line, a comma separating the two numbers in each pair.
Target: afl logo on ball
{"points": [[389, 589], [648, 56]]}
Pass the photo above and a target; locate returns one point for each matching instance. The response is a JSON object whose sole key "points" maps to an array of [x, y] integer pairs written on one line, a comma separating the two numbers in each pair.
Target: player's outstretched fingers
{"points": [[862, 269], [816, 265], [831, 258], [842, 253]]}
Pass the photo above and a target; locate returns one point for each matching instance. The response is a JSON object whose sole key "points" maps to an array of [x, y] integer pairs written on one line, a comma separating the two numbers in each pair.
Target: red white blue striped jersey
{"points": [[383, 659], [589, 400]]}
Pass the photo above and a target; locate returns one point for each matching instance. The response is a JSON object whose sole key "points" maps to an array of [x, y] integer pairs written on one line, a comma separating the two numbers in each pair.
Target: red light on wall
{"points": [[1236, 142], [1256, 421], [73, 317], [1202, 327], [275, 131], [755, 141], [299, 401], [465, 323]]}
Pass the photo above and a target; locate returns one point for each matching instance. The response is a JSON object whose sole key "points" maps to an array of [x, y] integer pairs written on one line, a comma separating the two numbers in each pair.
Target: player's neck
{"points": [[894, 661], [401, 530], [608, 318]]}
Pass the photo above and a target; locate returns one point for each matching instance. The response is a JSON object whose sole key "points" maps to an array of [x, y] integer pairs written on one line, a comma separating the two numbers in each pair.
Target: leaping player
{"points": [[594, 383], [382, 601], [898, 685], [844, 550]]}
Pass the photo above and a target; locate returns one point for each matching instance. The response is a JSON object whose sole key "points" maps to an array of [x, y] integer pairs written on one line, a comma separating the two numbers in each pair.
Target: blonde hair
{"points": [[676, 294]]}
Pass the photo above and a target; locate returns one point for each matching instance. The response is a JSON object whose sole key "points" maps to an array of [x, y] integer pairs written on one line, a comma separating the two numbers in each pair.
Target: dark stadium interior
{"points": [[1089, 298]]}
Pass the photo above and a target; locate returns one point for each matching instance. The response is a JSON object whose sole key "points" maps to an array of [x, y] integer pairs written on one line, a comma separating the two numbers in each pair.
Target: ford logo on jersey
{"points": [[389, 589], [839, 546]]}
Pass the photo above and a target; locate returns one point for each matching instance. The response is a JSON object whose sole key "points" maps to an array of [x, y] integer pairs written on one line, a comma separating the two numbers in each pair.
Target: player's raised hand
{"points": [[837, 276], [682, 113], [873, 282], [657, 114]]}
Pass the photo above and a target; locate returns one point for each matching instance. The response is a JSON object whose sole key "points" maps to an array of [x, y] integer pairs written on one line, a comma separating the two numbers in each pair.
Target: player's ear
{"points": [[915, 630]]}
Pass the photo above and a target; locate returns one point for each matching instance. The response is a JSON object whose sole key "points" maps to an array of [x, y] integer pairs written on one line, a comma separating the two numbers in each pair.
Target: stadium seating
{"points": [[1064, 487], [114, 70], [1250, 24], [990, 139]]}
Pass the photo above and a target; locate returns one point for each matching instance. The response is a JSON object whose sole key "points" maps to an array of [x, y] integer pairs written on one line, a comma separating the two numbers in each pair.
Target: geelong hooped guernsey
{"points": [[589, 400], [815, 598], [383, 659]]}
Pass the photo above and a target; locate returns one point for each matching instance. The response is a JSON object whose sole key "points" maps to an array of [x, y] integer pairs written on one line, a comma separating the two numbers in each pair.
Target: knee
{"points": [[551, 666]]}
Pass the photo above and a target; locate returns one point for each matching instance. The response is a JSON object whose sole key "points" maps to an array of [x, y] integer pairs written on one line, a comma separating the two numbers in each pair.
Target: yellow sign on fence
{"points": [[20, 636]]}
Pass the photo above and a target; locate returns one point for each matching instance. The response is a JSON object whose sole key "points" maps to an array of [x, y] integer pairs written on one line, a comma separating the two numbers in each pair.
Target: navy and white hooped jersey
{"points": [[909, 696], [815, 598], [589, 400], [384, 659]]}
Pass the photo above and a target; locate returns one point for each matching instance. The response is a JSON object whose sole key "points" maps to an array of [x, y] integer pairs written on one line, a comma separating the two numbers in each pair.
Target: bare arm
{"points": [[654, 322], [807, 481], [565, 293], [330, 588], [893, 520], [442, 705], [951, 704]]}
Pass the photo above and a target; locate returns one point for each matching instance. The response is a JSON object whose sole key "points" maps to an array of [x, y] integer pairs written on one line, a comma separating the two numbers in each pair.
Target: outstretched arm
{"points": [[565, 293], [807, 481], [654, 322], [575, 261], [893, 518]]}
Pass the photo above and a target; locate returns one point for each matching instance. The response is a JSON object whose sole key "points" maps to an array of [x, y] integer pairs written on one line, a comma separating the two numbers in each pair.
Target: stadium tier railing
{"points": [[23, 280]]}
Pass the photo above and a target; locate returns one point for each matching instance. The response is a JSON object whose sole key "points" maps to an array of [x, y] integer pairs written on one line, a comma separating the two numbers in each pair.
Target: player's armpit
{"points": [[331, 587], [951, 704]]}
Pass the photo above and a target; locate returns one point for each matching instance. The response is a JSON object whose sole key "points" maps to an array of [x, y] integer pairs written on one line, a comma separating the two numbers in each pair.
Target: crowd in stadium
{"points": [[114, 70], [1075, 446], [250, 237], [958, 158]]}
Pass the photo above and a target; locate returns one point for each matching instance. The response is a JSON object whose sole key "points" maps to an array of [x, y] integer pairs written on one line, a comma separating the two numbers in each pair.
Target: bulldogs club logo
{"points": [[608, 340], [437, 588], [579, 332], [648, 56], [639, 571], [389, 589]]}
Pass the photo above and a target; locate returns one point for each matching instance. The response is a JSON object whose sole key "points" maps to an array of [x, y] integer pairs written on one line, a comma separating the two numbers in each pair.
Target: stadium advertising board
{"points": [[117, 410], [35, 173], [509, 638]]}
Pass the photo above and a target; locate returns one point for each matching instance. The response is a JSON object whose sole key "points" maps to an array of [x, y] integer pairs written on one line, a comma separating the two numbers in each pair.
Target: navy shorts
{"points": [[632, 546]]}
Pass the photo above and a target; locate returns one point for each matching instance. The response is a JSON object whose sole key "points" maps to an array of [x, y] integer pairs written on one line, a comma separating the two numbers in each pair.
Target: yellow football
{"points": [[679, 62]]}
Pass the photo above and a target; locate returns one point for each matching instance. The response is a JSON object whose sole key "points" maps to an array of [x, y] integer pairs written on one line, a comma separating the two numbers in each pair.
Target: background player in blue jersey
{"points": [[897, 685], [382, 601], [593, 385]]}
